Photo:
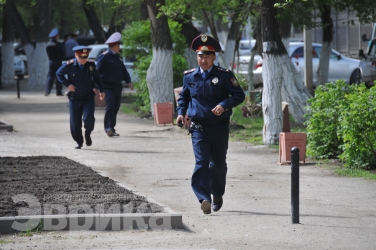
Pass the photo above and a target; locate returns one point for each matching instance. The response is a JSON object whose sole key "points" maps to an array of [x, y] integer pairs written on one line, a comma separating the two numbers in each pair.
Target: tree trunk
{"points": [[7, 50], [293, 90], [159, 75], [191, 57], [117, 20], [94, 23], [232, 43], [38, 60], [271, 74], [323, 69], [190, 32], [38, 66]]}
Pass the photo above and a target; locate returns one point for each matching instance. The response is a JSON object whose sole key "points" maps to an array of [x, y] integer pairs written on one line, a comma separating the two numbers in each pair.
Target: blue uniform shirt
{"points": [[84, 79], [112, 69], [199, 96]]}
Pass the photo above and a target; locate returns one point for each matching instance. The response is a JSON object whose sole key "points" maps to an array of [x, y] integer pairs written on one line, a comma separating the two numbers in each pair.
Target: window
{"points": [[298, 53]]}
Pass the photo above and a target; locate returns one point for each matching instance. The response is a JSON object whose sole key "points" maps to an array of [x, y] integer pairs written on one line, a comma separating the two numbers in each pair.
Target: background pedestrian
{"points": [[69, 44], [113, 71], [56, 53]]}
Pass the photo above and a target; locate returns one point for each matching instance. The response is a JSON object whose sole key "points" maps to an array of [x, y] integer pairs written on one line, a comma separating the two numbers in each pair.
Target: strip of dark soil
{"points": [[62, 186]]}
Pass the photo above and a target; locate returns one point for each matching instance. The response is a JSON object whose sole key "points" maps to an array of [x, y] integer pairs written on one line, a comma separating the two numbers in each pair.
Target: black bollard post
{"points": [[295, 184], [18, 87]]}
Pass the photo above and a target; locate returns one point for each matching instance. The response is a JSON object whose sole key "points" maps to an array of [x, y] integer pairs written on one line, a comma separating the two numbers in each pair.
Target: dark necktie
{"points": [[81, 66], [204, 74]]}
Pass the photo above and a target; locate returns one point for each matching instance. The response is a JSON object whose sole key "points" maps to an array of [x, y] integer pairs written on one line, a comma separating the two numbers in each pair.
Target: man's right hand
{"points": [[71, 88], [180, 121]]}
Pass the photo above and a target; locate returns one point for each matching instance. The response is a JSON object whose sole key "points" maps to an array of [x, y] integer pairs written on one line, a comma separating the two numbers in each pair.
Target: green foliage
{"points": [[323, 120], [341, 124], [138, 35], [32, 229], [246, 129], [358, 128]]}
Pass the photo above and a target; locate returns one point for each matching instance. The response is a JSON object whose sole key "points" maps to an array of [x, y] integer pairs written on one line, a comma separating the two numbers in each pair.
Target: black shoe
{"points": [[78, 146], [59, 94], [115, 134], [46, 94], [88, 140], [205, 207], [217, 203], [110, 133]]}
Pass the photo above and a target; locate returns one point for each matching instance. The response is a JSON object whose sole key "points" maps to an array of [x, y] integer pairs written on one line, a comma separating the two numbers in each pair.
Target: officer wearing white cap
{"points": [[208, 96], [113, 71], [80, 76], [55, 52]]}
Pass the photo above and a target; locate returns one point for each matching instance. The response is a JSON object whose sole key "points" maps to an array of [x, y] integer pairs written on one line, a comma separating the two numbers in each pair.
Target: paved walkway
{"points": [[335, 212]]}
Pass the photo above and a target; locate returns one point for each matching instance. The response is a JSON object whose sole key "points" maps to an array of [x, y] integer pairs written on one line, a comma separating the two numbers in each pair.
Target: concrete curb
{"points": [[98, 222], [5, 126]]}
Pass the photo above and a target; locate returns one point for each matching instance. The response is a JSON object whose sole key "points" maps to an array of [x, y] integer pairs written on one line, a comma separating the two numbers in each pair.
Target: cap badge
{"points": [[215, 80], [204, 48], [204, 38], [84, 50]]}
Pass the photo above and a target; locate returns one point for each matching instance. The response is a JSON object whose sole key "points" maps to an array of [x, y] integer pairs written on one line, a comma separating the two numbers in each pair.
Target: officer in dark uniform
{"points": [[80, 76], [208, 96], [113, 71], [56, 53]]}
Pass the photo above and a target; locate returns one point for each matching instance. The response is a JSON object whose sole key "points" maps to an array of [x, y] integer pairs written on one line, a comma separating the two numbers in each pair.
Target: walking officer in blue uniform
{"points": [[208, 96], [56, 53], [80, 76], [111, 67]]}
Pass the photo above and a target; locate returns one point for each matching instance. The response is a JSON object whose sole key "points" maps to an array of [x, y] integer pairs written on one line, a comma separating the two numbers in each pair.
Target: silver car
{"points": [[368, 65], [242, 61], [340, 66]]}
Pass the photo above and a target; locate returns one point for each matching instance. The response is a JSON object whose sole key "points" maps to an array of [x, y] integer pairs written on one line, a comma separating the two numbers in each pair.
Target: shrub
{"points": [[341, 124], [322, 123], [358, 128]]}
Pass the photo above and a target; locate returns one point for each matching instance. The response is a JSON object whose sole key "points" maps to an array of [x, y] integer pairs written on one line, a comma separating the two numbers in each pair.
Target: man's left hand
{"points": [[101, 96]]}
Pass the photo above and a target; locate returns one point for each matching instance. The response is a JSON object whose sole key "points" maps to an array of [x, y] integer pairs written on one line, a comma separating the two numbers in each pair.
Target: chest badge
{"points": [[215, 80], [91, 68]]}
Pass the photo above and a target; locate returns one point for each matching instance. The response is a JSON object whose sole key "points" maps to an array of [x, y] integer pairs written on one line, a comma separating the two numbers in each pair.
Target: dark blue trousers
{"points": [[113, 101], [210, 148], [81, 108], [53, 67]]}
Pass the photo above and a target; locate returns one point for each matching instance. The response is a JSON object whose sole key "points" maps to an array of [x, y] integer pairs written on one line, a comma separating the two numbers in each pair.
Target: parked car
{"points": [[20, 69], [18, 51], [340, 66], [97, 49], [368, 65], [20, 63], [241, 62]]}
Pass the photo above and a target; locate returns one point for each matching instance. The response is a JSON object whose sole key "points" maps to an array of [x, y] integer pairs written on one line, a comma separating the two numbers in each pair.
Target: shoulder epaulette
{"points": [[189, 71], [105, 52], [70, 61], [91, 60], [222, 69]]}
